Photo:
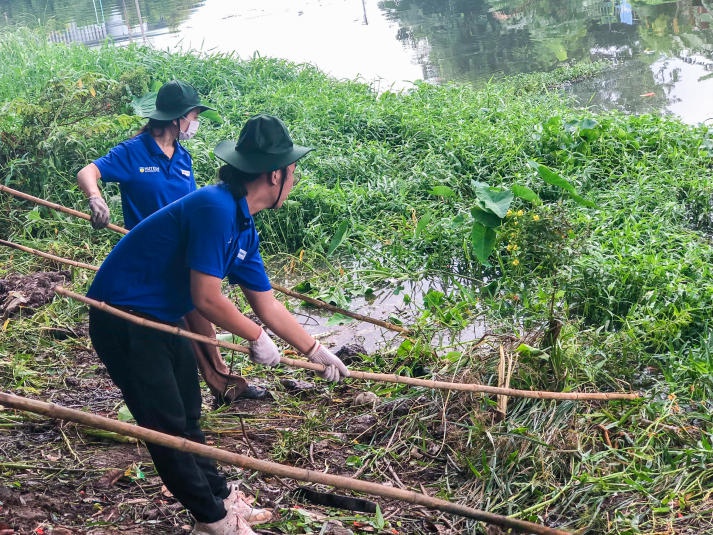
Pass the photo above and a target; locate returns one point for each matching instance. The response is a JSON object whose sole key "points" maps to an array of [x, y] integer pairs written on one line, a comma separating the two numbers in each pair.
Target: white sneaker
{"points": [[232, 524], [240, 503]]}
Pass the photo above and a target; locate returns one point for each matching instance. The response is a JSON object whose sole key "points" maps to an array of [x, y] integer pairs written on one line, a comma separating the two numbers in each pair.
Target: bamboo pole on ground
{"points": [[281, 289], [267, 467], [354, 374]]}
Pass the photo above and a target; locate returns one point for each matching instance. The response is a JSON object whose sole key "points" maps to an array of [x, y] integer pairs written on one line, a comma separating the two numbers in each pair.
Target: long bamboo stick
{"points": [[58, 207], [281, 289], [267, 467], [442, 385], [381, 377], [48, 255]]}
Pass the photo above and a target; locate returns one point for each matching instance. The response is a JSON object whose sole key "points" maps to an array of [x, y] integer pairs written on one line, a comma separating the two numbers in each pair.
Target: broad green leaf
{"points": [[339, 237], [497, 201], [526, 194], [549, 176], [442, 191], [338, 319], [124, 414], [423, 223], [482, 239], [485, 218]]}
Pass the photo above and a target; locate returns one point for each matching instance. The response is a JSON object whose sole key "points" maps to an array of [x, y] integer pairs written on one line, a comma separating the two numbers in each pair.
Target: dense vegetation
{"points": [[582, 240]]}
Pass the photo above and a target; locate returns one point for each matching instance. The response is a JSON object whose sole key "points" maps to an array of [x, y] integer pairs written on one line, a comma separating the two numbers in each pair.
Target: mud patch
{"points": [[26, 293]]}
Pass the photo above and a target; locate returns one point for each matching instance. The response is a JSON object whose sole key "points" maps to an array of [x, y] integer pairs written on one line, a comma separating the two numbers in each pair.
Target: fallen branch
{"points": [[354, 374], [281, 289], [243, 461]]}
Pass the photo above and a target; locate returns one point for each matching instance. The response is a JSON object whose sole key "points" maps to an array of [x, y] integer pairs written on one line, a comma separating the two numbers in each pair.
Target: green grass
{"points": [[630, 278]]}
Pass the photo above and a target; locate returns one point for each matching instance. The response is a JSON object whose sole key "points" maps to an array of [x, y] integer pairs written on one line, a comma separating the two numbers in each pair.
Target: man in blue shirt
{"points": [[174, 262]]}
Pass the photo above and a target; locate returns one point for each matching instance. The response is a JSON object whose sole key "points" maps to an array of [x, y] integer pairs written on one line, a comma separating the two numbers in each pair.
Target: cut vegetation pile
{"points": [[581, 241]]}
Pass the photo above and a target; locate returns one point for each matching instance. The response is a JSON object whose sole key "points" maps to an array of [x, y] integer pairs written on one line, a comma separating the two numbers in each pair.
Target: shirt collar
{"points": [[245, 220]]}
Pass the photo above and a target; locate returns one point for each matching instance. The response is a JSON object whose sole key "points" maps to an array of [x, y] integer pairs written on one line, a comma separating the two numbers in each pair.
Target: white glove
{"points": [[100, 211], [334, 368], [264, 351]]}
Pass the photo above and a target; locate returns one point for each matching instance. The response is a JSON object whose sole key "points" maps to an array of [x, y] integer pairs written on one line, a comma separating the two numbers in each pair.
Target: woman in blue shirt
{"points": [[152, 168], [174, 262]]}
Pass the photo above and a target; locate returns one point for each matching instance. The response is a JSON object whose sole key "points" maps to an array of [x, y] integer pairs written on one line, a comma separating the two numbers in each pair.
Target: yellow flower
{"points": [[509, 213], [535, 217], [509, 247], [516, 262], [520, 213]]}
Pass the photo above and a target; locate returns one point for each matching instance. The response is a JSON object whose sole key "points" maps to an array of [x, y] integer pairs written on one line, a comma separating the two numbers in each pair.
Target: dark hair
{"points": [[155, 125], [236, 179]]}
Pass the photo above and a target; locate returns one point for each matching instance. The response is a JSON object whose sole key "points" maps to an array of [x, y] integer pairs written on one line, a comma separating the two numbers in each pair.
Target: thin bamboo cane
{"points": [[355, 374], [48, 255], [281, 289], [267, 467], [58, 207], [332, 308]]}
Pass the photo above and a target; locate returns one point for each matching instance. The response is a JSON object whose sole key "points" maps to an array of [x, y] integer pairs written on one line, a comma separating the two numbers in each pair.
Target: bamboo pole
{"points": [[355, 374], [441, 385], [48, 255], [281, 289], [58, 207], [267, 467]]}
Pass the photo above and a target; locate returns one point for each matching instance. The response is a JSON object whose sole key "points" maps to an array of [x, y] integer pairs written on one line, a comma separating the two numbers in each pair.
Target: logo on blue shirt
{"points": [[185, 172], [242, 253], [149, 169]]}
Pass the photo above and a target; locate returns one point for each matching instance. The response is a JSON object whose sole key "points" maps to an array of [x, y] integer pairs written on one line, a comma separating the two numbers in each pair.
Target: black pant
{"points": [[158, 377]]}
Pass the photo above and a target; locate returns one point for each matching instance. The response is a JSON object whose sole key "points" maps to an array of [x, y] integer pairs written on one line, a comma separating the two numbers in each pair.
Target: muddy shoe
{"points": [[255, 392], [232, 524], [241, 505]]}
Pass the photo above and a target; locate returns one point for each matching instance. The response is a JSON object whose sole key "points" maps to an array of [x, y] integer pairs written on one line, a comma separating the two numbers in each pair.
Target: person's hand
{"points": [[100, 212], [334, 368], [264, 351]]}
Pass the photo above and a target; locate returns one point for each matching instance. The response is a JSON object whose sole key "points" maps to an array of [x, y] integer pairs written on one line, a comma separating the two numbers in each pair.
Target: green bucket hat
{"points": [[174, 100], [264, 145]]}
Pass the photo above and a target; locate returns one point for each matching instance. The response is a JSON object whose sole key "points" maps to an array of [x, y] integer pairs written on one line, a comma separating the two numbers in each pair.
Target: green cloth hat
{"points": [[264, 145], [174, 100]]}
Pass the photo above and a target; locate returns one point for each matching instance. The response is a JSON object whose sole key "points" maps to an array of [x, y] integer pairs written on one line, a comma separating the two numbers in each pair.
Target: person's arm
{"points": [[280, 321], [218, 309], [88, 180]]}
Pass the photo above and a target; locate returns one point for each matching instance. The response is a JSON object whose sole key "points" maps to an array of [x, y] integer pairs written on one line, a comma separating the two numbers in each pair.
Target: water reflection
{"points": [[652, 44], [662, 51]]}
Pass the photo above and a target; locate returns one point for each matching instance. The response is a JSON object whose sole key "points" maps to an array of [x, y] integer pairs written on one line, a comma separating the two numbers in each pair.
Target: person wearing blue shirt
{"points": [[172, 263], [153, 169]]}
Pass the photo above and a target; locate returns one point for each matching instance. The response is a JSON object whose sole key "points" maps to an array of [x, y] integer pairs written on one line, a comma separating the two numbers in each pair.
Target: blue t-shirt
{"points": [[207, 231], [148, 179]]}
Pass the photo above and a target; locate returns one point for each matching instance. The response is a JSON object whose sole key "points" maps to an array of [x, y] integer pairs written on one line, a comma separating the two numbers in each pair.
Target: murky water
{"points": [[663, 51]]}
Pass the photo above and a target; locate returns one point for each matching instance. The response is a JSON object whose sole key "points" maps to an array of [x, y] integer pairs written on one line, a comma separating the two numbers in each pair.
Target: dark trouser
{"points": [[157, 374]]}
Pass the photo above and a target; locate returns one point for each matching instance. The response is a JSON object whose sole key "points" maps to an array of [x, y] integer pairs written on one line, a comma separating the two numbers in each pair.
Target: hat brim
{"points": [[258, 163], [175, 114]]}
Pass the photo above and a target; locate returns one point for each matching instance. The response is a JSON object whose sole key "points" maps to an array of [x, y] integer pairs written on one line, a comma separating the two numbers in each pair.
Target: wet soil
{"points": [[60, 478]]}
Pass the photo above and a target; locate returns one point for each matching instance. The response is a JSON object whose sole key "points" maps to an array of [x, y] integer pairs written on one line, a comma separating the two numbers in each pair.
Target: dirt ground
{"points": [[60, 478]]}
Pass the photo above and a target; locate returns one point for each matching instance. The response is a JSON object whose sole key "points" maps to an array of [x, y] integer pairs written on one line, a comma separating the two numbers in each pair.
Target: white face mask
{"points": [[190, 131]]}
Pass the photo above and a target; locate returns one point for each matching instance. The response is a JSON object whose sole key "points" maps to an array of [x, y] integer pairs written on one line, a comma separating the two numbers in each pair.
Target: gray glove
{"points": [[100, 211], [264, 351], [334, 368]]}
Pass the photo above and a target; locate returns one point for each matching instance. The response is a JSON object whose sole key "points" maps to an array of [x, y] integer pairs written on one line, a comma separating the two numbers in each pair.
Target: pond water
{"points": [[662, 51]]}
